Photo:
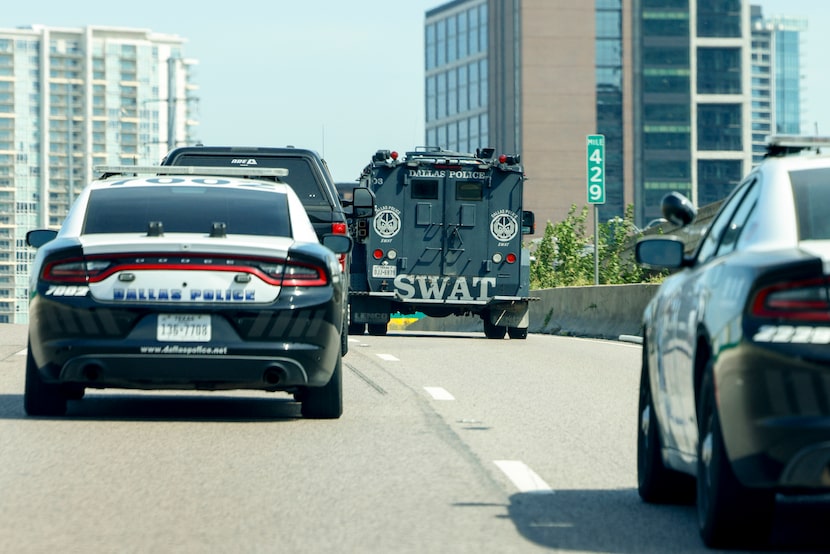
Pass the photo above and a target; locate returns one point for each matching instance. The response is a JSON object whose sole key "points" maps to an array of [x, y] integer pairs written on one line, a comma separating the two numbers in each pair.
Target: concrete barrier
{"points": [[605, 311]]}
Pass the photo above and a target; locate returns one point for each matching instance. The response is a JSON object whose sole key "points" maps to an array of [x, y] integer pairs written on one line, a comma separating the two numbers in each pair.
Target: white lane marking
{"points": [[21, 353], [525, 479], [388, 357], [439, 393]]}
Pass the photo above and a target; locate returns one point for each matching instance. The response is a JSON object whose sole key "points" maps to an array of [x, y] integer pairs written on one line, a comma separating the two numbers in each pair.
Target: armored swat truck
{"points": [[446, 239]]}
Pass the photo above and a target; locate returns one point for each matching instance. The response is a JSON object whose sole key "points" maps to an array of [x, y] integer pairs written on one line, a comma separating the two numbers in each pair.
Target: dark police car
{"points": [[189, 278], [735, 388]]}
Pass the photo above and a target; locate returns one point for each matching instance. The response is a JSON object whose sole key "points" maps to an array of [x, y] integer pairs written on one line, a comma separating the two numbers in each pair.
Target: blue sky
{"points": [[342, 78]]}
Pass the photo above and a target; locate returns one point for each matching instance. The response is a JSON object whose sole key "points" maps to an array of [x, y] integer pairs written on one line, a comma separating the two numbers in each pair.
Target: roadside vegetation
{"points": [[564, 256]]}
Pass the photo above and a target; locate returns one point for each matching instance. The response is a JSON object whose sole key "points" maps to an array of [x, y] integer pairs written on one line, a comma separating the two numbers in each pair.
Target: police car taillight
{"points": [[303, 276], [74, 270], [807, 300]]}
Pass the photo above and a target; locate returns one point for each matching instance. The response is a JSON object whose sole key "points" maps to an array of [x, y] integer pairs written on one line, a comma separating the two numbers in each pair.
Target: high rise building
{"points": [[776, 78], [70, 100], [666, 81]]}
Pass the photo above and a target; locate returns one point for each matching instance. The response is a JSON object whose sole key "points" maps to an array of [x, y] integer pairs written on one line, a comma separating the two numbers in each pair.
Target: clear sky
{"points": [[344, 78]]}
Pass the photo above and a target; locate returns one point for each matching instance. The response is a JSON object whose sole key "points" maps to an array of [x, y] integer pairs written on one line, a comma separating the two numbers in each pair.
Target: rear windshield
{"points": [[301, 175], [811, 188], [187, 210]]}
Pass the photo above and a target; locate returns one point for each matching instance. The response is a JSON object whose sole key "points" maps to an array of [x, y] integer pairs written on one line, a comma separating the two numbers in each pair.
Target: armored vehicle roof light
{"points": [[381, 156]]}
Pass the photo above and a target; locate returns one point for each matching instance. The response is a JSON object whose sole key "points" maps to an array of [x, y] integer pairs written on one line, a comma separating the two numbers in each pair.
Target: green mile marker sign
{"points": [[596, 169]]}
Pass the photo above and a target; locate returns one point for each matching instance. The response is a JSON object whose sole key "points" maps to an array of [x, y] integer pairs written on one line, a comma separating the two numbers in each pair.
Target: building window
{"points": [[719, 70], [719, 18], [719, 127]]}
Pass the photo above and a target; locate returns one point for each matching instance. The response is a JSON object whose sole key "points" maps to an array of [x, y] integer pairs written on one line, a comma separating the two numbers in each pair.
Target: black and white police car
{"points": [[734, 403], [186, 278]]}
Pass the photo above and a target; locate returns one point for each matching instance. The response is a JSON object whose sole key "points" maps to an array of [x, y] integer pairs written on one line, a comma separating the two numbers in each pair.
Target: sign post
{"points": [[595, 153]]}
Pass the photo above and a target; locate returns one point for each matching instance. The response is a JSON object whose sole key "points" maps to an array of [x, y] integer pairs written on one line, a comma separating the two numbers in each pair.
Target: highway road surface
{"points": [[449, 442]]}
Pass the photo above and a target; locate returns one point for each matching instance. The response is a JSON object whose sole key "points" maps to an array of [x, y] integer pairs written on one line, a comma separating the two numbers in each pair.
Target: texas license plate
{"points": [[183, 328], [384, 271]]}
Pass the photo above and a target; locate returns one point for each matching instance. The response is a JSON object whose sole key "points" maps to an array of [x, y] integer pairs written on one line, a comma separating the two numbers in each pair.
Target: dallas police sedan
{"points": [[186, 278], [735, 388]]}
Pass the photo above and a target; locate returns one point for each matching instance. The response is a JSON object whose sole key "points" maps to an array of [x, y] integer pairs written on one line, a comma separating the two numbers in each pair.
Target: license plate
{"points": [[183, 328], [382, 271]]}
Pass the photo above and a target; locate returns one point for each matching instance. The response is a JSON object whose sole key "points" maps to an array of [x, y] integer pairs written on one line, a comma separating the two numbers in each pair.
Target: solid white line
{"points": [[525, 479], [388, 357], [439, 393]]}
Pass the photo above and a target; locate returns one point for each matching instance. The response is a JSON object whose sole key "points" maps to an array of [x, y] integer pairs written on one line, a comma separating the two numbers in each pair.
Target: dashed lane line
{"points": [[439, 393], [388, 357], [525, 479]]}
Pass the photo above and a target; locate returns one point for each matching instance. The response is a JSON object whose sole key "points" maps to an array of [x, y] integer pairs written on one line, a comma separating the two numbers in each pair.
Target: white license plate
{"points": [[183, 328], [382, 271]]}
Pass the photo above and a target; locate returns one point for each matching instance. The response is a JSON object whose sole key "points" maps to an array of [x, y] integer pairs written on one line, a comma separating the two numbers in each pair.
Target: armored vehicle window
{"points": [[425, 189], [187, 210], [468, 190], [301, 176]]}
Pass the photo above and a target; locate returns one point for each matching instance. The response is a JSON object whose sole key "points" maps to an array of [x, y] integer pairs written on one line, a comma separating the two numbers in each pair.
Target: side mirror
{"points": [[39, 237], [528, 222], [363, 203], [678, 209], [339, 244], [660, 252]]}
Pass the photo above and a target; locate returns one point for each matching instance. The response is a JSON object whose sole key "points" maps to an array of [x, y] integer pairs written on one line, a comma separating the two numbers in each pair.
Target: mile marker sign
{"points": [[596, 169]]}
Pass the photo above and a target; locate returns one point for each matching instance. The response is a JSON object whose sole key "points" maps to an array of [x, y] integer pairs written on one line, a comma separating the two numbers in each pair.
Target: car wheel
{"points": [[492, 331], [357, 328], [325, 402], [39, 398], [656, 483], [377, 329], [729, 514], [517, 333], [74, 392], [344, 338]]}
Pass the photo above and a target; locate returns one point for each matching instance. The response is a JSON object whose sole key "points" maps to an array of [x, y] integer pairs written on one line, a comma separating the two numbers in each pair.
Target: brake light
{"points": [[273, 271], [339, 229], [806, 300], [377, 254], [511, 258], [297, 275], [75, 270]]}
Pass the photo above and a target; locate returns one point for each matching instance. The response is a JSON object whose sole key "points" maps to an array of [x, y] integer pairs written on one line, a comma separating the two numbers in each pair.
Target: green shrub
{"points": [[564, 256]]}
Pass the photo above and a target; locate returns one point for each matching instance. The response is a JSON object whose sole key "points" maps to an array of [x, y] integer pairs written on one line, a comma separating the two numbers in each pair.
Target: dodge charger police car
{"points": [[186, 278], [735, 387]]}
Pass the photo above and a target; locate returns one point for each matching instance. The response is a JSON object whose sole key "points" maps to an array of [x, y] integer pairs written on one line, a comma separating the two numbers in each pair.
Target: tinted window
{"points": [[301, 175], [811, 188], [425, 190], [468, 190], [187, 210], [719, 225]]}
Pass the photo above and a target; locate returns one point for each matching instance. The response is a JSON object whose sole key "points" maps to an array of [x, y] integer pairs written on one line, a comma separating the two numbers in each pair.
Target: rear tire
{"points": [[39, 398], [517, 333], [492, 331], [728, 513], [656, 483], [344, 338], [378, 329], [357, 328], [325, 402]]}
